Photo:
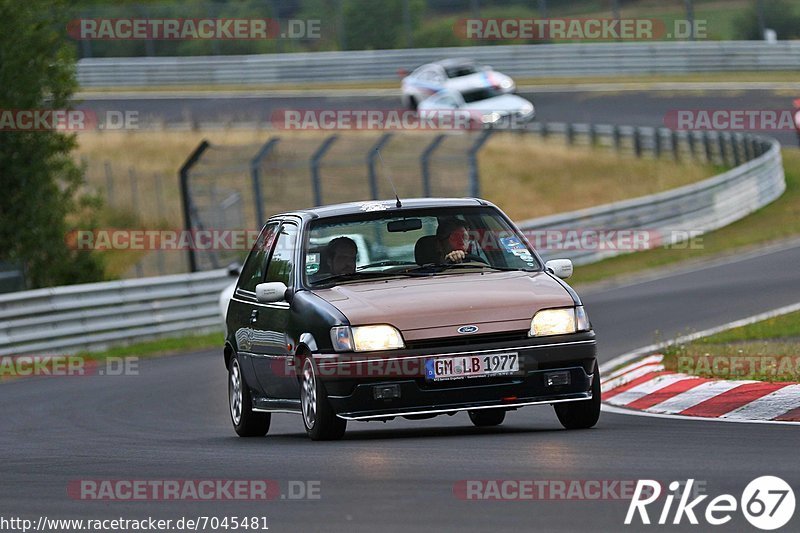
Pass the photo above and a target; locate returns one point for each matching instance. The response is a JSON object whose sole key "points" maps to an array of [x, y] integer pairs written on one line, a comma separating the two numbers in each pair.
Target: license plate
{"points": [[472, 366]]}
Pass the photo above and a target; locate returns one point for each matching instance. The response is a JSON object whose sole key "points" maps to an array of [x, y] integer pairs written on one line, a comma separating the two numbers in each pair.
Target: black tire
{"points": [[320, 421], [412, 103], [581, 414], [487, 417], [246, 422]]}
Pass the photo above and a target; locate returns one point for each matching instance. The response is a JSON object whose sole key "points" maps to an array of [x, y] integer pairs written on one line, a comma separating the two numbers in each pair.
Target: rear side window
{"points": [[282, 262], [253, 270]]}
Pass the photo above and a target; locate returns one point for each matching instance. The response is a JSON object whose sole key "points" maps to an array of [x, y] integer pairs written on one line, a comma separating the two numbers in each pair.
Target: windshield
{"points": [[416, 243], [461, 70], [480, 94]]}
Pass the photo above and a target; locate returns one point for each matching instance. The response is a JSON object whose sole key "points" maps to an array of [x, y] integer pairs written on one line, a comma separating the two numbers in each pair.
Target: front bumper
{"points": [[350, 384]]}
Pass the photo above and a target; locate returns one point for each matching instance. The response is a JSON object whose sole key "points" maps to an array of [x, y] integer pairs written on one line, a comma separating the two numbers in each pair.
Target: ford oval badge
{"points": [[468, 329]]}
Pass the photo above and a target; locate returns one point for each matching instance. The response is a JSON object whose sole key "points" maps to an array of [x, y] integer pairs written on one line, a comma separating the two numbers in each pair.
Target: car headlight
{"points": [[491, 118], [507, 83], [559, 321], [526, 110], [366, 338]]}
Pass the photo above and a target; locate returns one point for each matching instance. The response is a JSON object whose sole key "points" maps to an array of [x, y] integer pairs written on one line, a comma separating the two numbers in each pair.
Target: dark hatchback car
{"points": [[374, 310]]}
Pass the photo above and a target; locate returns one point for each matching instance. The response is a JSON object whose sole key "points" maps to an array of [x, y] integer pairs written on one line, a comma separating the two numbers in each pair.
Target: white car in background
{"points": [[487, 107], [457, 74]]}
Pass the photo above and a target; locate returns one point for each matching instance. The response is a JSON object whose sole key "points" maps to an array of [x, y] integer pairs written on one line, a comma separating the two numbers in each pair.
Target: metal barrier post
{"points": [[637, 141], [373, 152], [183, 173], [425, 162], [472, 154], [255, 174], [315, 161]]}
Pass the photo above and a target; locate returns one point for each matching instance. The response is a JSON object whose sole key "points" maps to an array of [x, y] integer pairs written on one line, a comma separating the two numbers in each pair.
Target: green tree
{"points": [[371, 25], [779, 15], [41, 198]]}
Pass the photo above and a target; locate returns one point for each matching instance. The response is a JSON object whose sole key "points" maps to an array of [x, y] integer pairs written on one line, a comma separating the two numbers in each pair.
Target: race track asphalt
{"points": [[171, 422]]}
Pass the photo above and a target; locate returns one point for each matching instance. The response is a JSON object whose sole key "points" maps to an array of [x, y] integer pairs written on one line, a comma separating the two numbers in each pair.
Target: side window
{"points": [[282, 263], [253, 269]]}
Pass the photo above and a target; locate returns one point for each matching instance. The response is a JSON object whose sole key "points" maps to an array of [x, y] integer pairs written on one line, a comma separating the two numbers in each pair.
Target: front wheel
{"points": [[318, 417], [581, 414], [246, 422], [487, 417]]}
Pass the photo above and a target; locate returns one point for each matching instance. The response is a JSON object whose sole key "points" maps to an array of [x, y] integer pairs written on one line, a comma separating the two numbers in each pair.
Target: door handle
{"points": [[254, 316]]}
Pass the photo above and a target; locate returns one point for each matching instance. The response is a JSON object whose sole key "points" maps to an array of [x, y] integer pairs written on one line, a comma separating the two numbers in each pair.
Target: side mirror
{"points": [[403, 72], [234, 269], [561, 268], [274, 291]]}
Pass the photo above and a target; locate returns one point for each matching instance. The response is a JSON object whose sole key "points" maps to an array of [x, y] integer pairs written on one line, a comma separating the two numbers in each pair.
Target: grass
{"points": [[776, 221], [154, 348], [767, 350]]}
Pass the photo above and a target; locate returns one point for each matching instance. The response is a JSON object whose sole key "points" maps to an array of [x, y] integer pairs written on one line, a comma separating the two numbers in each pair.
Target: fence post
{"points": [[543, 131], [109, 183], [472, 154], [617, 138], [737, 156], [183, 174], [592, 135], [570, 134], [637, 141], [425, 162], [373, 152], [707, 146], [255, 175], [748, 147], [657, 142], [722, 151], [315, 161], [676, 145], [691, 140]]}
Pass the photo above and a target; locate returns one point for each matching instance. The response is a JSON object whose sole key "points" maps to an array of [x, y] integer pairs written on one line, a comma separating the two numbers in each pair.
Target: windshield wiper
{"points": [[388, 262], [354, 276]]}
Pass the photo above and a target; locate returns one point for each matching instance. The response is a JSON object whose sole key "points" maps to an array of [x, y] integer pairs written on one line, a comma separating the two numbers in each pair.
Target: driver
{"points": [[452, 238]]}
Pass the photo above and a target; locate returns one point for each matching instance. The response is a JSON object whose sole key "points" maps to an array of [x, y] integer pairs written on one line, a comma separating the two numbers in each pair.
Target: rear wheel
{"points": [[582, 414], [320, 421], [487, 417], [246, 422]]}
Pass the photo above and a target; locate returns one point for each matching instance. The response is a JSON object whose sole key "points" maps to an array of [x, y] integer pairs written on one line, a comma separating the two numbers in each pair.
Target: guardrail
{"points": [[672, 215], [522, 61], [93, 316]]}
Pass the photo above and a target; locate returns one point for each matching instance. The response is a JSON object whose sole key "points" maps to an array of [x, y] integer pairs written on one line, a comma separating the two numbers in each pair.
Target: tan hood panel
{"points": [[500, 301]]}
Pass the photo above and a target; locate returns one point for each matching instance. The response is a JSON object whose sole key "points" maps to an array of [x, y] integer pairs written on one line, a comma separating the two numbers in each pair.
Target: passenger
{"points": [[340, 256]]}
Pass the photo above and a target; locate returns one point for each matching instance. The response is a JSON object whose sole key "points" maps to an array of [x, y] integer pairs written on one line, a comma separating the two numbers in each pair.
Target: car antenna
{"points": [[389, 176]]}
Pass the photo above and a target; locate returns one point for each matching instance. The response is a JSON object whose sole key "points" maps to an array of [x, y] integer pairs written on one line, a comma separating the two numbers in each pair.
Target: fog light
{"points": [[386, 392], [554, 379]]}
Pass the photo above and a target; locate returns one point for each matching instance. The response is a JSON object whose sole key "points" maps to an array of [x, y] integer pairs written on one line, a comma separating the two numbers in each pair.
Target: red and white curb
{"points": [[645, 385], [637, 383]]}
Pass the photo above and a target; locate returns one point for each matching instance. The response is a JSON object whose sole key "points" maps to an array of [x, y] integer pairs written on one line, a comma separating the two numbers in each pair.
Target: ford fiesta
{"points": [[453, 311]]}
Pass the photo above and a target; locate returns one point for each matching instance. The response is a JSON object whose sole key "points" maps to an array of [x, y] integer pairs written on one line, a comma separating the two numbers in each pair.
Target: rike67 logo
{"points": [[767, 503]]}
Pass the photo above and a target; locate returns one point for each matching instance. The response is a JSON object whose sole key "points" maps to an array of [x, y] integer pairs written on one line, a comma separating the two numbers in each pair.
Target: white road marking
{"points": [[649, 387], [770, 406], [630, 376], [690, 398], [624, 370]]}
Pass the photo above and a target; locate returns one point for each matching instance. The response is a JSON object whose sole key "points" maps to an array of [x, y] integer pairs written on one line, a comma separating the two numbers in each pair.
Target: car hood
{"points": [[437, 306], [477, 80]]}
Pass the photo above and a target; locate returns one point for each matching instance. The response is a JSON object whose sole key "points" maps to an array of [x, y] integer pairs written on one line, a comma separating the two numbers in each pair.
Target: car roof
{"points": [[351, 208], [454, 62]]}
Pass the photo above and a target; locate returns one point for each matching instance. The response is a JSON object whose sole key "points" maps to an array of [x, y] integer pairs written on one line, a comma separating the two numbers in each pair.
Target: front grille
{"points": [[467, 340]]}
